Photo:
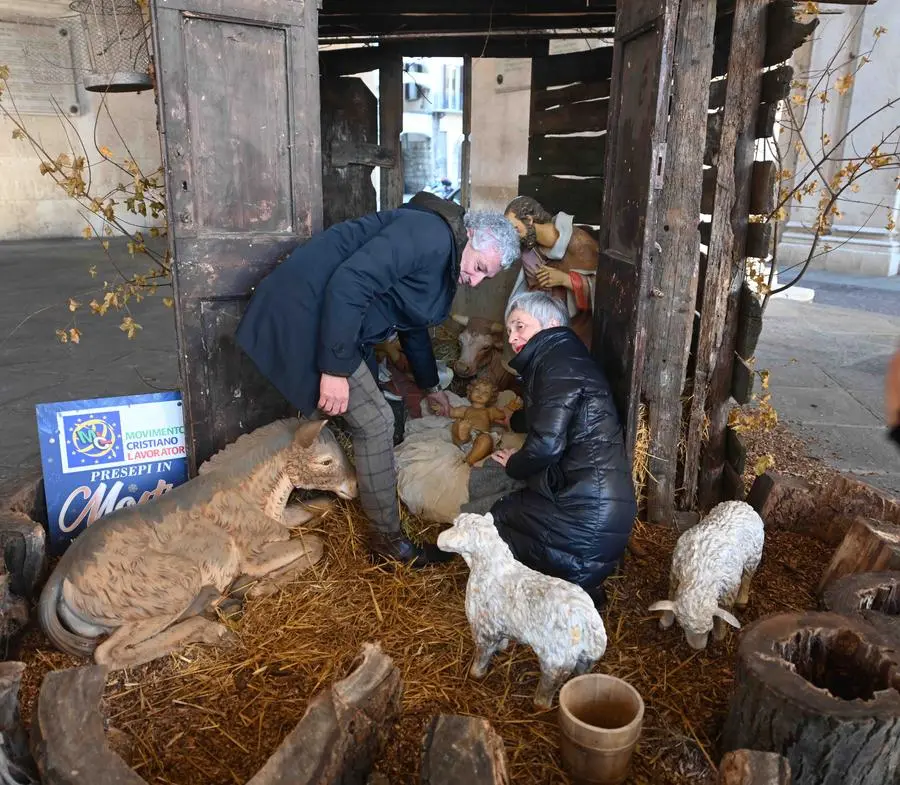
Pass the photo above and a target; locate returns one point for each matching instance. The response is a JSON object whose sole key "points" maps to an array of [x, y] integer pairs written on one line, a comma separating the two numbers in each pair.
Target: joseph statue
{"points": [[557, 257]]}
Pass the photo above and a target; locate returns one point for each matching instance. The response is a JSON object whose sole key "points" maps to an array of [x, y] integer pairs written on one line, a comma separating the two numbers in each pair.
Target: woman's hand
{"points": [[502, 456], [334, 394], [548, 277]]}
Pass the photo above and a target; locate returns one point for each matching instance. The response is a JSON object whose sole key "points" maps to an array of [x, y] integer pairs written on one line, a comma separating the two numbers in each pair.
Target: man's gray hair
{"points": [[541, 306], [493, 233]]}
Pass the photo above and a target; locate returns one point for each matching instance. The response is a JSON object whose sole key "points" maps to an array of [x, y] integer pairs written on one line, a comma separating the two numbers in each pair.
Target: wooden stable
{"points": [[267, 140]]}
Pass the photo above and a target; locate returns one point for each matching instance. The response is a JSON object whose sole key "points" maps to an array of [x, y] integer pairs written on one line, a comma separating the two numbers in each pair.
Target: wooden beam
{"points": [[759, 238], [573, 93], [776, 84], [595, 64], [581, 198], [724, 272], [356, 60], [463, 7], [571, 118], [375, 24], [764, 128], [459, 45], [671, 311], [578, 155], [784, 33], [390, 113], [465, 164], [761, 182], [344, 154]]}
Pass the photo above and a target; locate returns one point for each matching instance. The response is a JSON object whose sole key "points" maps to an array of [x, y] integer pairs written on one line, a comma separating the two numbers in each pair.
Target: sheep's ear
{"points": [[308, 432], [662, 605], [727, 617]]}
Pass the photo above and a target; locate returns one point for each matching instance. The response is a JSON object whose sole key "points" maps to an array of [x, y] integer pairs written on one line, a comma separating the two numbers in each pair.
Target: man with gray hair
{"points": [[312, 324]]}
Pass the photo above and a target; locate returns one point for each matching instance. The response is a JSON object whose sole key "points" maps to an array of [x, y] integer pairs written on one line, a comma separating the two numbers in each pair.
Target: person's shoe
{"points": [[598, 596], [398, 548]]}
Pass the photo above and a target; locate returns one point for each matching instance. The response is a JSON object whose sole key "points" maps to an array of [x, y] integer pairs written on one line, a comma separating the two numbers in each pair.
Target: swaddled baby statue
{"points": [[475, 422]]}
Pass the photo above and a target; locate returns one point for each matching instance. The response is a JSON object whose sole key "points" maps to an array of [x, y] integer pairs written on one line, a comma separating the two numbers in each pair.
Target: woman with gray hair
{"points": [[573, 518]]}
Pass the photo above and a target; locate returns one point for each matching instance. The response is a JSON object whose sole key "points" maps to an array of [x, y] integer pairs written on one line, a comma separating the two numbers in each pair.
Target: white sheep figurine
{"points": [[505, 600], [712, 567]]}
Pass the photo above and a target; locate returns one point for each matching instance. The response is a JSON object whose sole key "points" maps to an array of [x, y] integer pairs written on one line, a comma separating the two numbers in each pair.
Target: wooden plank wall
{"points": [[744, 105], [569, 95], [711, 344]]}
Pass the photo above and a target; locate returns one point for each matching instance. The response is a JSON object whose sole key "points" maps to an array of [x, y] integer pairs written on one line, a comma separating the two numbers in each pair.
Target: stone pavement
{"points": [[827, 362], [38, 277], [827, 367]]}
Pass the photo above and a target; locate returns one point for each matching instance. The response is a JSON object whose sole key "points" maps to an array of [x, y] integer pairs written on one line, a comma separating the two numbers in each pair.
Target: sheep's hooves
{"points": [[543, 705], [477, 673]]}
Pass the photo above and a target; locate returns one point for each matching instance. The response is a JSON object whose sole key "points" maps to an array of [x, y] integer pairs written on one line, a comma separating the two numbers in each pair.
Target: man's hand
{"points": [[334, 394], [439, 402], [502, 456], [548, 277]]}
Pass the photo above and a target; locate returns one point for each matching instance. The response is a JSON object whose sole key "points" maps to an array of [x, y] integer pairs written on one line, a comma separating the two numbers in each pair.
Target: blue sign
{"points": [[107, 453]]}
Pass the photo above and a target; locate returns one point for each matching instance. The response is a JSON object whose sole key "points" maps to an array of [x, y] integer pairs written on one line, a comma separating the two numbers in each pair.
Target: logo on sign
{"points": [[92, 438]]}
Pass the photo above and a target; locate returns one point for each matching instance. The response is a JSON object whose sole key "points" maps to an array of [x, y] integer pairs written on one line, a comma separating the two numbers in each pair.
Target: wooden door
{"points": [[350, 149], [238, 91], [634, 170]]}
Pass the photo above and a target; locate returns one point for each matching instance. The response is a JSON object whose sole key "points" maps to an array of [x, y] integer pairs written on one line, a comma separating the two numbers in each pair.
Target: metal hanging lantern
{"points": [[114, 45]]}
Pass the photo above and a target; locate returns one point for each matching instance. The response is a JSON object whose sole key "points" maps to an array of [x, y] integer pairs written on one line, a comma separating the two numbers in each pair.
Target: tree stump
{"points": [[872, 597], [869, 545], [821, 690], [462, 751], [750, 767]]}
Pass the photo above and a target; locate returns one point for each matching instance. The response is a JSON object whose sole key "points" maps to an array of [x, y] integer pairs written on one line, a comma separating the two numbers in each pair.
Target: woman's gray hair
{"points": [[492, 232], [541, 306]]}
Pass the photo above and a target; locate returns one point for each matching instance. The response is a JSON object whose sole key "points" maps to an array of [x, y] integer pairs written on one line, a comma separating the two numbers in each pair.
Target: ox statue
{"points": [[481, 351]]}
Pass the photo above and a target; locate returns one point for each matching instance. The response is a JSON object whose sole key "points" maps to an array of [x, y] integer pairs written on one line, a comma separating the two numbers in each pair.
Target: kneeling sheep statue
{"points": [[712, 567], [505, 600]]}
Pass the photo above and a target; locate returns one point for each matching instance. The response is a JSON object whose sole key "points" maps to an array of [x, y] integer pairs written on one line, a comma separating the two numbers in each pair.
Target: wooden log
{"points": [[462, 751], [570, 94], [759, 238], [581, 198], [749, 323], [735, 451], [784, 33], [345, 153], [751, 767], [776, 84], [761, 197], [869, 545], [762, 187], [732, 484], [69, 700], [343, 730], [819, 689], [870, 597], [23, 543], [571, 118], [724, 272], [578, 155], [742, 380], [593, 64], [763, 129], [390, 112], [675, 271], [14, 739], [335, 743]]}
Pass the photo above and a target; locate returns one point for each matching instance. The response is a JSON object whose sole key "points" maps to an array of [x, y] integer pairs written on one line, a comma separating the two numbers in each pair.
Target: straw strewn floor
{"points": [[207, 717]]}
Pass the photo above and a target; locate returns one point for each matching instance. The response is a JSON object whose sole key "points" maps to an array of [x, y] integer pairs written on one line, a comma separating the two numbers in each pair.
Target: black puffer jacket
{"points": [[575, 515]]}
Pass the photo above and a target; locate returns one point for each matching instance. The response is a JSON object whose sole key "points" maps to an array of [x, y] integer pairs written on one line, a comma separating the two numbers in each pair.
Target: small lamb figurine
{"points": [[712, 567], [507, 600]]}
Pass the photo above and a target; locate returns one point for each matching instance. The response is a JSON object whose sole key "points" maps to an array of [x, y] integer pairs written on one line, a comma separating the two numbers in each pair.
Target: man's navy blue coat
{"points": [[347, 288]]}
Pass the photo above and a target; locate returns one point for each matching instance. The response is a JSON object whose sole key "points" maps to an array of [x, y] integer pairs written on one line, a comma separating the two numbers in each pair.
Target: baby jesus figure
{"points": [[476, 421]]}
